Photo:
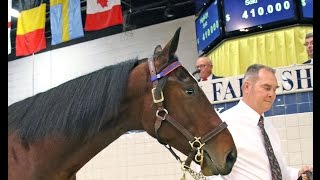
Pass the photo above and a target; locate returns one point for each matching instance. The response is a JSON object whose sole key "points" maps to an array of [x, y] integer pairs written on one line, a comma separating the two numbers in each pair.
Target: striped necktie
{"points": [[274, 165]]}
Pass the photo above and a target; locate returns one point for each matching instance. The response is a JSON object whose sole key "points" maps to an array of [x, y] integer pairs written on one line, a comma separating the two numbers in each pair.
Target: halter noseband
{"points": [[196, 143]]}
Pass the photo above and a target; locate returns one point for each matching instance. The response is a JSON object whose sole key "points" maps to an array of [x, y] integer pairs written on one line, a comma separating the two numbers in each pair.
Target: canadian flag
{"points": [[102, 14]]}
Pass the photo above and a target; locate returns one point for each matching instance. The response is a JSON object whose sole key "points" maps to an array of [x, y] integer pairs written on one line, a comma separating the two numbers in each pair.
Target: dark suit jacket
{"points": [[307, 62], [214, 77]]}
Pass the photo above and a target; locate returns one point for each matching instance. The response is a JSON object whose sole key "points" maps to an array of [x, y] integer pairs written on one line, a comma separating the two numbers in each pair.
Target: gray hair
{"points": [[207, 58], [309, 35], [253, 71]]}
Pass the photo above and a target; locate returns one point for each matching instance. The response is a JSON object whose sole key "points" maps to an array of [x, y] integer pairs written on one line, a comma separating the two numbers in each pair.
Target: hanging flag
{"points": [[66, 22], [9, 25], [102, 14], [29, 4], [30, 36]]}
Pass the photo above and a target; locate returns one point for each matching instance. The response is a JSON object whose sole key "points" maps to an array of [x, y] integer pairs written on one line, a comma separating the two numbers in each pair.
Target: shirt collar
{"points": [[254, 116], [209, 77]]}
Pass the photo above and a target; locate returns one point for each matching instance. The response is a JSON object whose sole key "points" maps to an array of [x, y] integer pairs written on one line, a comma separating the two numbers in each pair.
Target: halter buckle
{"points": [[196, 143], [199, 156], [164, 116], [154, 98]]}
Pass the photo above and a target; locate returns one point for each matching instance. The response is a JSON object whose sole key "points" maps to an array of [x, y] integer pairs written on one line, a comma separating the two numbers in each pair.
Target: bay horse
{"points": [[52, 134]]}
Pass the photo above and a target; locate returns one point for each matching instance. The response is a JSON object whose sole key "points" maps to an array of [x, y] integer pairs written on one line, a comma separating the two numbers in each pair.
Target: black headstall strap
{"points": [[196, 143]]}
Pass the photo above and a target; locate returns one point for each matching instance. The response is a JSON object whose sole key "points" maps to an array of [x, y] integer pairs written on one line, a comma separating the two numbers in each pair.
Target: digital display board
{"points": [[207, 27], [307, 8], [199, 4], [242, 14]]}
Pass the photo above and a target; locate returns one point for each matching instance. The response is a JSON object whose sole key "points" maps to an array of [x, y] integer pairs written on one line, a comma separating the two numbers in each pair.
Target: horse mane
{"points": [[77, 108]]}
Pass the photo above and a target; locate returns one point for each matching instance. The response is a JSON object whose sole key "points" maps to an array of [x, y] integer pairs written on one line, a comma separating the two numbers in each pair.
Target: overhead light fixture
{"points": [[168, 12]]}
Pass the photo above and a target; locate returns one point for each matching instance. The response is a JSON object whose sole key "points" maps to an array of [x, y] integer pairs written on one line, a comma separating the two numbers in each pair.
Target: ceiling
{"points": [[136, 13]]}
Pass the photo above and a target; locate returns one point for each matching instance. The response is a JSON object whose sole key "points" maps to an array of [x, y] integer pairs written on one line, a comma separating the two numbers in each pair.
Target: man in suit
{"points": [[204, 67], [309, 48]]}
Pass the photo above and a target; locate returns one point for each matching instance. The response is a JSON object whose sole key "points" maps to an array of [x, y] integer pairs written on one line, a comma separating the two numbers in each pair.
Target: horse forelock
{"points": [[77, 108]]}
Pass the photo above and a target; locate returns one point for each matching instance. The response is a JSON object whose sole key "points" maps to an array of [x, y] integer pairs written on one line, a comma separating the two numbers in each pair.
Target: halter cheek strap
{"points": [[196, 143]]}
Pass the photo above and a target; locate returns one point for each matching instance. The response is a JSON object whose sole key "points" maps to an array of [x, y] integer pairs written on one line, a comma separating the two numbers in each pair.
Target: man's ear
{"points": [[246, 86]]}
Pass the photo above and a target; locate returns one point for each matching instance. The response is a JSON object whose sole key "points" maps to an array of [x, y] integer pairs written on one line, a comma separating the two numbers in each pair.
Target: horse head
{"points": [[177, 112]]}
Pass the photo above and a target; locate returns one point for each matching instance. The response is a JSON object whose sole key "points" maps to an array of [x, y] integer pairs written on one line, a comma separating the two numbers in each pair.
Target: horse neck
{"points": [[58, 157], [82, 153], [129, 118]]}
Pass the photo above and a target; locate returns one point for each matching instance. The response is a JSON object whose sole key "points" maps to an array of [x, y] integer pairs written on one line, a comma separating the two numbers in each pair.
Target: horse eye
{"points": [[190, 91]]}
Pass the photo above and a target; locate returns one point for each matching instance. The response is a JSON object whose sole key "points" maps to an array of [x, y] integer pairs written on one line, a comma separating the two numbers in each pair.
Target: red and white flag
{"points": [[102, 14]]}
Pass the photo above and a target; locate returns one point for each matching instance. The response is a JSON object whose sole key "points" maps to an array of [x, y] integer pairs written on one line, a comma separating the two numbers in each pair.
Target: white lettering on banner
{"points": [[291, 79]]}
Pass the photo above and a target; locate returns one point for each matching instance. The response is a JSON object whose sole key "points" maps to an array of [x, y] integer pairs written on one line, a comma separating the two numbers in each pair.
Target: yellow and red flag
{"points": [[30, 36]]}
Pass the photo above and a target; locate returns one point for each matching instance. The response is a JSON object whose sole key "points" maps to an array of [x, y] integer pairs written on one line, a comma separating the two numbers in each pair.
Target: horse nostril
{"points": [[231, 158]]}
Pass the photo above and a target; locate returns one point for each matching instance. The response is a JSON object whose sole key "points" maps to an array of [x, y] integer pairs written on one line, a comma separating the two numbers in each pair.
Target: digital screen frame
{"points": [[307, 8], [208, 28], [240, 15], [199, 5]]}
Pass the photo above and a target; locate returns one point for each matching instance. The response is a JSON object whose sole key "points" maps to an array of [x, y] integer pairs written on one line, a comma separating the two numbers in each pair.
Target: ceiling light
{"points": [[168, 12]]}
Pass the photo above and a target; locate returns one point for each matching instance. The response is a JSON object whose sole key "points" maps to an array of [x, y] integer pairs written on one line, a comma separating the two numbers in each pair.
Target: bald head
{"points": [[203, 60], [252, 73]]}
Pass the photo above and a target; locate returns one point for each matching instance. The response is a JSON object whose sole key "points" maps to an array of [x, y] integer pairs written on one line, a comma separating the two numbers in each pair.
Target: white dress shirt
{"points": [[252, 161], [208, 78]]}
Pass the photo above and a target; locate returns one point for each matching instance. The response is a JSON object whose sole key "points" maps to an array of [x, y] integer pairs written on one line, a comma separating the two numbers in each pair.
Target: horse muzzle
{"points": [[213, 166]]}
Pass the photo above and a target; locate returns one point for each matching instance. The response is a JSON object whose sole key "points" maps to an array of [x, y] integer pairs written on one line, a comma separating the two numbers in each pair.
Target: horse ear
{"points": [[157, 50], [174, 42], [170, 49], [172, 45]]}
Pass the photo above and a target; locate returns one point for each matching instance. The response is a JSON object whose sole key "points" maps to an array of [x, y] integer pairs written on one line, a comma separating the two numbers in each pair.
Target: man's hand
{"points": [[303, 172]]}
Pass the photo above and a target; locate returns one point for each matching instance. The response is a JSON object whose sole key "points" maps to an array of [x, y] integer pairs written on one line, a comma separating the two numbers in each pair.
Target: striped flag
{"points": [[30, 36], [102, 14], [66, 23], [9, 25]]}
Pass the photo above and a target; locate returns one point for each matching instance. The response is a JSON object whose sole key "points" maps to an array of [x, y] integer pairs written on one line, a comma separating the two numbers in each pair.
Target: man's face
{"points": [[260, 95], [205, 68], [309, 46]]}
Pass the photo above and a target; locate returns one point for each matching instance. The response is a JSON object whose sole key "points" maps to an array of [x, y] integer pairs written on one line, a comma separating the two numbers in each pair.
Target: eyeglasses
{"points": [[201, 66]]}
